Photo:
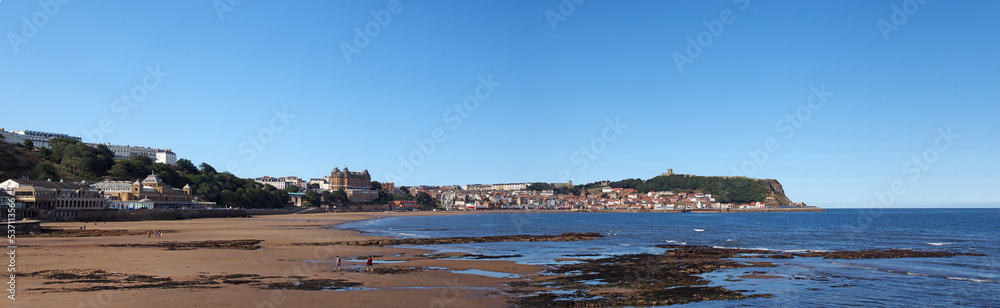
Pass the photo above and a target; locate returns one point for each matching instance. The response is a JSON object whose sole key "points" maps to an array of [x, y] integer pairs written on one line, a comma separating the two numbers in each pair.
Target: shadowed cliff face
{"points": [[777, 193]]}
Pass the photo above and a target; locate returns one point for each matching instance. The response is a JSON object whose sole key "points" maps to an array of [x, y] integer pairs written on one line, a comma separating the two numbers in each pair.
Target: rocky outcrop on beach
{"points": [[49, 232], [673, 277], [224, 244], [90, 280], [633, 280], [461, 240]]}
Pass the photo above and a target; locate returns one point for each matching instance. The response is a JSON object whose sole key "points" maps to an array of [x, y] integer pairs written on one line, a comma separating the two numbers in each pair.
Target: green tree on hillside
{"points": [[169, 175], [45, 153], [76, 159], [207, 169], [136, 167], [723, 189], [47, 171], [184, 165], [539, 186], [426, 202]]}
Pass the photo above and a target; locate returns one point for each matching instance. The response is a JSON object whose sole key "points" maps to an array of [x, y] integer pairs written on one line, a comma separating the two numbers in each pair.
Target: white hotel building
{"points": [[41, 140], [158, 155], [280, 183]]}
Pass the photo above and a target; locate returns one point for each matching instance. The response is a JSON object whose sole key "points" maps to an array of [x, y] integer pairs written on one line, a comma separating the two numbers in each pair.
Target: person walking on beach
{"points": [[338, 263], [370, 268]]}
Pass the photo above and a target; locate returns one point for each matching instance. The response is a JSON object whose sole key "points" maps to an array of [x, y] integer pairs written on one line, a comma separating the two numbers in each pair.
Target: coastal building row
{"points": [[281, 182], [163, 156], [357, 185], [42, 140], [39, 139], [320, 183], [58, 200], [603, 198], [504, 186]]}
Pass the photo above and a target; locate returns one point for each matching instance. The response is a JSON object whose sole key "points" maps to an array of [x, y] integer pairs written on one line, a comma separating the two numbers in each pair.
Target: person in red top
{"points": [[370, 268]]}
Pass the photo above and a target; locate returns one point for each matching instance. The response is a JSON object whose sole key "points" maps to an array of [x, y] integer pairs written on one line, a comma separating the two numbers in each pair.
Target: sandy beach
{"points": [[117, 271]]}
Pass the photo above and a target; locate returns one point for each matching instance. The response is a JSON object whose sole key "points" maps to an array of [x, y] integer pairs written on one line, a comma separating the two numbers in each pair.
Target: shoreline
{"points": [[288, 260], [420, 277], [124, 215], [184, 276]]}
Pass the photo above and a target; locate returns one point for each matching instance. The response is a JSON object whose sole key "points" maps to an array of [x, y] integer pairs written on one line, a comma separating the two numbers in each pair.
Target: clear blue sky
{"points": [[558, 88]]}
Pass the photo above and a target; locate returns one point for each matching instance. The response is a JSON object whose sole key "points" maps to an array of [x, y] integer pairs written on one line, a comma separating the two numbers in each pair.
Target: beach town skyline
{"points": [[826, 97]]}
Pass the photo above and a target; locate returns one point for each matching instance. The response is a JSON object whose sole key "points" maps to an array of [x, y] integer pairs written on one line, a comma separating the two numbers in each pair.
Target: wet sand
{"points": [[206, 262]]}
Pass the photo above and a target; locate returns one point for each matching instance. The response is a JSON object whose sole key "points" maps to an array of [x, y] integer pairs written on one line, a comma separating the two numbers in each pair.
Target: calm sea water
{"points": [[907, 282]]}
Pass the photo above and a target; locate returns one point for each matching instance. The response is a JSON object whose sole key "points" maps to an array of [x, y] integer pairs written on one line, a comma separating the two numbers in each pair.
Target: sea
{"points": [[802, 282]]}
